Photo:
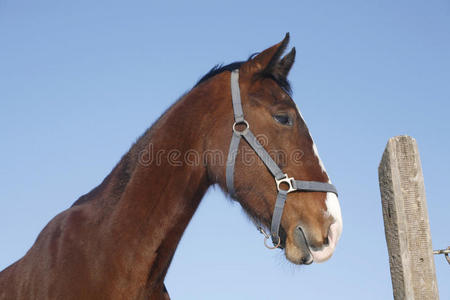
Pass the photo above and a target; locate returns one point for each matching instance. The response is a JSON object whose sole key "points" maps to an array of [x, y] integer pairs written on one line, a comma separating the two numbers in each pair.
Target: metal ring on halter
{"points": [[266, 237], [243, 131], [274, 246]]}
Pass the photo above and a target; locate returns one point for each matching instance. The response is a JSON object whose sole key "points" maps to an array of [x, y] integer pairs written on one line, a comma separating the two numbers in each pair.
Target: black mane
{"points": [[217, 69]]}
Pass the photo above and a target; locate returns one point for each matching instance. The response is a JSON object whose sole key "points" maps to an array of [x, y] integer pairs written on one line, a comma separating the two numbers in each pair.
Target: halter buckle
{"points": [[287, 180]]}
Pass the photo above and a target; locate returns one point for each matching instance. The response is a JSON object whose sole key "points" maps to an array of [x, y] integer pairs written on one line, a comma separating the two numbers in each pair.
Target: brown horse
{"points": [[117, 241]]}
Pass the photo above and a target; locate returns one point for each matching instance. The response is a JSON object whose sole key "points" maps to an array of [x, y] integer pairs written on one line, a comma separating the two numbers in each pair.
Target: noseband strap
{"points": [[280, 177]]}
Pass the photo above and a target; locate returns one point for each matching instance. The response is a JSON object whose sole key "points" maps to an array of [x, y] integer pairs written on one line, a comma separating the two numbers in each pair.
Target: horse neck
{"points": [[159, 191]]}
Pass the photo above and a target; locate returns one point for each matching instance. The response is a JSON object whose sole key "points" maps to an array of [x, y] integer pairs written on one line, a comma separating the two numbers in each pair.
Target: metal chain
{"points": [[446, 252]]}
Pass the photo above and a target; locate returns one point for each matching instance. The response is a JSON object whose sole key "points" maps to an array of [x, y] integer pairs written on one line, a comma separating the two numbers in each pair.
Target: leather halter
{"points": [[280, 177]]}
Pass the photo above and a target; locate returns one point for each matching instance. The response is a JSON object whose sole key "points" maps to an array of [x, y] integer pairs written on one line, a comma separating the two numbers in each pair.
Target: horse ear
{"points": [[281, 69], [267, 60]]}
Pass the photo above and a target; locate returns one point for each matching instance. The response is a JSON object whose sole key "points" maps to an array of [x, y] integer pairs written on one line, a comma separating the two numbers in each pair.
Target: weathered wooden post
{"points": [[406, 221]]}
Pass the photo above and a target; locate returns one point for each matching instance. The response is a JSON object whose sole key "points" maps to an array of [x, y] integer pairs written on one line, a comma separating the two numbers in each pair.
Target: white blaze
{"points": [[333, 210], [316, 153]]}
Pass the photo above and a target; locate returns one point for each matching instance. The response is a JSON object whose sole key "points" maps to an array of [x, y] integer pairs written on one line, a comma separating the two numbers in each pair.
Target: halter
{"points": [[281, 178]]}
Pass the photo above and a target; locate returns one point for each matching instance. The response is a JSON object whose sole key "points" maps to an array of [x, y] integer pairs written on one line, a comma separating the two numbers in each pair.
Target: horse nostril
{"points": [[326, 241], [307, 260]]}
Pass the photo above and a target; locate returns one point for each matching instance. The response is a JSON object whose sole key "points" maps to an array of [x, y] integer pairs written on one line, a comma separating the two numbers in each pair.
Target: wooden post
{"points": [[406, 221]]}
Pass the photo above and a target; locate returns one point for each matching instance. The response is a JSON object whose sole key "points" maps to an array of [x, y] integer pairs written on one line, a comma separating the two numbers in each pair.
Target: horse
{"points": [[118, 240]]}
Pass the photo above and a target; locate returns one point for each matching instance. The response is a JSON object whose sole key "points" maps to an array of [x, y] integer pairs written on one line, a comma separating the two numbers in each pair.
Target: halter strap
{"points": [[236, 97], [280, 177]]}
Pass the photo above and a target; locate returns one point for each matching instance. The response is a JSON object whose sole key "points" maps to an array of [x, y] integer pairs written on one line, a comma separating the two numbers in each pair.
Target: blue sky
{"points": [[81, 80]]}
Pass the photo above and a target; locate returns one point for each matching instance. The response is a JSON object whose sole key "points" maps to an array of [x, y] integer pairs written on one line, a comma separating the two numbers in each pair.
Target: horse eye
{"points": [[283, 119]]}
